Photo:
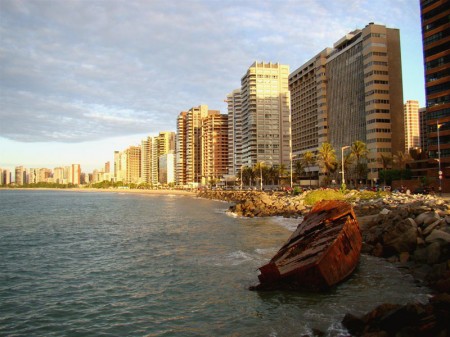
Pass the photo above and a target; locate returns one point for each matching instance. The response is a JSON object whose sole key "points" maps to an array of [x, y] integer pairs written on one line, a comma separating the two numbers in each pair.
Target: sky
{"points": [[82, 79]]}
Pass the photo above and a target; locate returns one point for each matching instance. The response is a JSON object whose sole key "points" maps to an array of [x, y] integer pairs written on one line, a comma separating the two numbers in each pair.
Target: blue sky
{"points": [[80, 79]]}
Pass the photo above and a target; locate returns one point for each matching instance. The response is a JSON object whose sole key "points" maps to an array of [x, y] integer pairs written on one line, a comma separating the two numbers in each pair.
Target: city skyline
{"points": [[75, 91]]}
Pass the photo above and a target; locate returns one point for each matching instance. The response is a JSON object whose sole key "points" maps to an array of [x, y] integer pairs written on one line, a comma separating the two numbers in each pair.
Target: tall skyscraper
{"points": [[146, 160], [436, 50], [358, 96], [75, 173], [234, 102], [265, 115], [214, 146], [180, 159], [423, 129], [20, 175], [412, 125], [133, 166], [199, 131]]}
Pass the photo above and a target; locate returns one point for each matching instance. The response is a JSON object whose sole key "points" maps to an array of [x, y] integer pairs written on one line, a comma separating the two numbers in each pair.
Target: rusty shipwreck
{"points": [[321, 252]]}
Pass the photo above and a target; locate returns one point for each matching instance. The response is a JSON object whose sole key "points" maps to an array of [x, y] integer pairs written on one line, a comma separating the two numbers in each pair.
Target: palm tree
{"points": [[327, 159], [385, 160], [400, 160], [282, 171], [247, 175], [298, 169], [258, 171], [348, 161], [308, 160], [360, 152]]}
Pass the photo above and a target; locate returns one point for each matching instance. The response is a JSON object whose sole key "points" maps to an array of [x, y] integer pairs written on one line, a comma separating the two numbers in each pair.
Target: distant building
{"points": [[75, 174], [167, 168], [234, 102], [214, 147], [133, 164], [146, 160], [20, 176], [412, 125]]}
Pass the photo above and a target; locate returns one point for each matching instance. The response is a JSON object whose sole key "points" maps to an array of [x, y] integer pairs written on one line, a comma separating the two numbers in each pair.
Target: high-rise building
{"points": [[133, 164], [308, 99], [197, 133], [423, 129], [234, 102], [120, 166], [167, 168], [358, 96], [5, 177], [20, 175], [146, 160], [180, 159], [412, 125], [266, 115], [214, 146], [75, 174], [436, 51]]}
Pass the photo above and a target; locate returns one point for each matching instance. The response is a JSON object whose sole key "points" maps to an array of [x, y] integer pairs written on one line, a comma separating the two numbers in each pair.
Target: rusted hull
{"points": [[322, 251]]}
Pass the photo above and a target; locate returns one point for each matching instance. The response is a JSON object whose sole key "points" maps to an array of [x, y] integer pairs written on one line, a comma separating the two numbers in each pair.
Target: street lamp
{"points": [[342, 159], [439, 157], [260, 172]]}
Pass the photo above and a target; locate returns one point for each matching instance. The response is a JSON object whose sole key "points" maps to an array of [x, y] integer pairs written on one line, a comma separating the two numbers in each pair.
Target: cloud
{"points": [[74, 71]]}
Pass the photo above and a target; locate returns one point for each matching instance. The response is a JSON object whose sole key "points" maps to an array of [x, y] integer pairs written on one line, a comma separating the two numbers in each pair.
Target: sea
{"points": [[112, 264]]}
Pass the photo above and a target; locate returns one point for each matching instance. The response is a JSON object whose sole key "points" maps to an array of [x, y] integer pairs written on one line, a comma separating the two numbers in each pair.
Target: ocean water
{"points": [[111, 264]]}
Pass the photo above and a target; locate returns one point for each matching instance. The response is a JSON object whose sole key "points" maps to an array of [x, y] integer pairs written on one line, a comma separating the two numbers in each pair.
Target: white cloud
{"points": [[100, 69]]}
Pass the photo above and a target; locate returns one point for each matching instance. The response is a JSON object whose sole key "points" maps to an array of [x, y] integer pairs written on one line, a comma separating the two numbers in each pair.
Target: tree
{"points": [[298, 169], [308, 160], [400, 160], [360, 152], [326, 159], [260, 171], [385, 160]]}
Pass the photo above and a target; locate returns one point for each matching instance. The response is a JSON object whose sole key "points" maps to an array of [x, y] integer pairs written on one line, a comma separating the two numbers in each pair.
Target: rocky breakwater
{"points": [[260, 204], [414, 233]]}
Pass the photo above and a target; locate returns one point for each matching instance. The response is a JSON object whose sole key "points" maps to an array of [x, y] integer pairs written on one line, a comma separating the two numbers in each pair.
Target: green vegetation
{"points": [[318, 195]]}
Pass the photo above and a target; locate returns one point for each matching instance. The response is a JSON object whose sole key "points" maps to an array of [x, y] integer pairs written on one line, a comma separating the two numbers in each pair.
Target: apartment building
{"points": [[214, 146], [358, 96], [436, 51], [180, 150], [234, 103], [266, 115], [146, 160], [412, 125], [133, 164]]}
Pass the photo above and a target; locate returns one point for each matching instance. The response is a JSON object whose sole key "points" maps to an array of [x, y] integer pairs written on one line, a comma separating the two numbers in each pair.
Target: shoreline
{"points": [[101, 190]]}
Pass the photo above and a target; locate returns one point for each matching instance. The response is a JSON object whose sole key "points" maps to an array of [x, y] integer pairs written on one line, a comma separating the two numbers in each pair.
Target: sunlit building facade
{"points": [[412, 125], [265, 115]]}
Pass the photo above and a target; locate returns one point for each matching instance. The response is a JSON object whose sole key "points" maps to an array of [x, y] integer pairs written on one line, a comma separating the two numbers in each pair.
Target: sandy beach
{"points": [[112, 190]]}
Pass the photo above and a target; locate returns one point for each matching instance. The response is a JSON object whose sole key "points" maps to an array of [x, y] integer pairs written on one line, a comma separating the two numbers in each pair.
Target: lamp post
{"points": [[342, 161], [260, 173], [439, 157]]}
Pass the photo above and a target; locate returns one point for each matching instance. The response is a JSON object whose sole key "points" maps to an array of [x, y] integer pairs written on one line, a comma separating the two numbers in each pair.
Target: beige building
{"points": [[214, 147], [133, 166], [199, 130], [265, 115], [146, 160], [234, 102], [412, 125], [358, 96], [20, 175], [167, 168]]}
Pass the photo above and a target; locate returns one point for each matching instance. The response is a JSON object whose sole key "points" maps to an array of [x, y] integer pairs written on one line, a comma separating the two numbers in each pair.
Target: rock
{"points": [[431, 227], [404, 257], [438, 235], [400, 237], [433, 253], [385, 211], [421, 217], [354, 325]]}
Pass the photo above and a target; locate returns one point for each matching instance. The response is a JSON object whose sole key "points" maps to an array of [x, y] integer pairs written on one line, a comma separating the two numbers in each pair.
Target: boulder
{"points": [[438, 235], [400, 237]]}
